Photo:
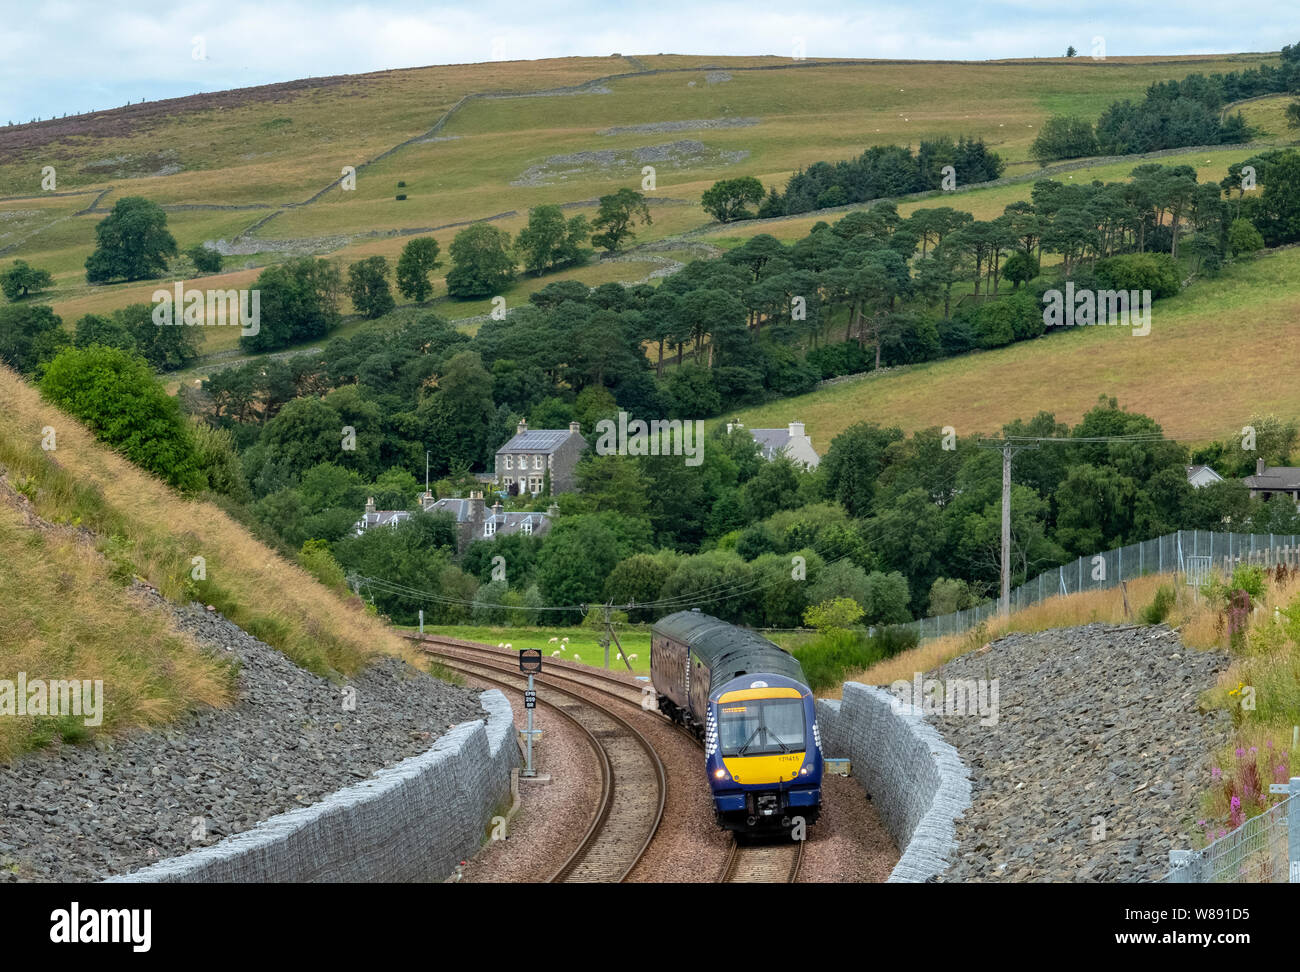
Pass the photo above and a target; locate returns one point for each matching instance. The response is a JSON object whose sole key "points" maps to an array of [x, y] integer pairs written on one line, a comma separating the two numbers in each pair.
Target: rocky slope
{"points": [[1094, 765], [81, 813]]}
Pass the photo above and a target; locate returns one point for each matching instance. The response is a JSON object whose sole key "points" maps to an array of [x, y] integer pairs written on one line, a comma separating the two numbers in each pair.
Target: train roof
{"points": [[728, 650]]}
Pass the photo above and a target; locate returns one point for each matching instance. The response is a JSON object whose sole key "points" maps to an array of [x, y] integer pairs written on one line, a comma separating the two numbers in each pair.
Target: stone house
{"points": [[373, 518], [523, 463], [1269, 481], [792, 442], [475, 520]]}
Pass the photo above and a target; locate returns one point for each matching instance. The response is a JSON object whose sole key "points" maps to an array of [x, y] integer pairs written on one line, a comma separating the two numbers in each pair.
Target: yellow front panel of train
{"points": [[757, 770]]}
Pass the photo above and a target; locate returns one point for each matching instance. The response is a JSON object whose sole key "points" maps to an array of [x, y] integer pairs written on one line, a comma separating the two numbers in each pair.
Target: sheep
{"points": [[576, 658], [633, 657], [551, 641], [554, 654]]}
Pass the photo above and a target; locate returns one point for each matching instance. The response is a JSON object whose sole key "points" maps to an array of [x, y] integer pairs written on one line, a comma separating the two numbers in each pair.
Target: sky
{"points": [[69, 56]]}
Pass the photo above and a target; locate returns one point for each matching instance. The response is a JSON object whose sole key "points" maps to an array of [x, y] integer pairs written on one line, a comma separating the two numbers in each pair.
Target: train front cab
{"points": [[763, 753]]}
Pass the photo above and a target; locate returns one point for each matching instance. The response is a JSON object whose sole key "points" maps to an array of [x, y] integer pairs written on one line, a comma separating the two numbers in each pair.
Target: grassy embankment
{"points": [[87, 523]]}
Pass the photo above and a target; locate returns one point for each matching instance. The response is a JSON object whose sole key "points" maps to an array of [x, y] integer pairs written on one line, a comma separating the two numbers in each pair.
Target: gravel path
{"points": [[1093, 768], [82, 813]]}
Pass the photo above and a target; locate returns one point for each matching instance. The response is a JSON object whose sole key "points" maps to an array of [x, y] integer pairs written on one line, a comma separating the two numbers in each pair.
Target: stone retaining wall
{"points": [[917, 781], [411, 822]]}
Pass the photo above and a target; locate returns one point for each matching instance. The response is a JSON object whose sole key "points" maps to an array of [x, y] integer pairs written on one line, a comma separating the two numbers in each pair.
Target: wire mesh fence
{"points": [[1191, 552], [1260, 851]]}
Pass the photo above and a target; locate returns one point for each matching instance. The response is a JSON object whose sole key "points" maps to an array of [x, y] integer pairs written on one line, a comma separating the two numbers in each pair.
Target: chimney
{"points": [[370, 505], [730, 426], [522, 428], [553, 510], [426, 498], [476, 494], [575, 428], [1259, 466], [496, 508], [796, 430]]}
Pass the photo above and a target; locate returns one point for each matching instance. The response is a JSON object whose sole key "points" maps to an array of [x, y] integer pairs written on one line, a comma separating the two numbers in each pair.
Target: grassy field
{"points": [[582, 644], [102, 521], [1212, 360], [259, 149]]}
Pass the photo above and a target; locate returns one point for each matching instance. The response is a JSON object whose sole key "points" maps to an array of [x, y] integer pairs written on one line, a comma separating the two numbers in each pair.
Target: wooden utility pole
{"points": [[1008, 447], [611, 636]]}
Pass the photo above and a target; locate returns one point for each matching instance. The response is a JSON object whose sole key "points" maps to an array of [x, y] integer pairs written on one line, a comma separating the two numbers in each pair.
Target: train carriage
{"points": [[748, 701]]}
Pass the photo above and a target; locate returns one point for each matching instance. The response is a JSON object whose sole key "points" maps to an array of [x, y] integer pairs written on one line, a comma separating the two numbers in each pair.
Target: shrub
{"points": [[841, 613], [835, 652], [892, 641], [316, 559], [1156, 272], [205, 260], [1158, 610], [400, 196]]}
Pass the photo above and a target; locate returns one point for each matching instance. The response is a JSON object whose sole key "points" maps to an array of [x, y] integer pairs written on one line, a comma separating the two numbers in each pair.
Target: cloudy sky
{"points": [[79, 55]]}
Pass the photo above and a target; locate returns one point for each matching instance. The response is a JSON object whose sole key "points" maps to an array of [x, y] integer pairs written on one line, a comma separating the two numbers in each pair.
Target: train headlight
{"points": [[803, 771], [720, 774]]}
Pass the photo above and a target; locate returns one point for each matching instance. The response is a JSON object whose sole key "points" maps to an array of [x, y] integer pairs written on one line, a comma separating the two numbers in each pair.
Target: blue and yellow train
{"points": [[747, 700]]}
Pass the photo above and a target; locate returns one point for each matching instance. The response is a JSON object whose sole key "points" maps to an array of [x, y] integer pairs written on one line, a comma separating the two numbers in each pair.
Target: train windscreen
{"points": [[761, 727]]}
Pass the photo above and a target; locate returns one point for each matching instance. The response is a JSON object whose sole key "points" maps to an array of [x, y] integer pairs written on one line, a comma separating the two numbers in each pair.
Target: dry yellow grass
{"points": [[157, 532], [64, 616], [1189, 373]]}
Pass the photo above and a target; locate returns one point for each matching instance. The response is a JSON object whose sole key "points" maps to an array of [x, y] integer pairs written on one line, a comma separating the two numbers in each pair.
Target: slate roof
{"points": [[459, 508], [1275, 478], [515, 519], [536, 440], [381, 518], [771, 441]]}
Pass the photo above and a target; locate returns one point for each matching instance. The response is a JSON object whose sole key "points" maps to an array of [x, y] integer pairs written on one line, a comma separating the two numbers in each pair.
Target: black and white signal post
{"points": [[530, 663]]}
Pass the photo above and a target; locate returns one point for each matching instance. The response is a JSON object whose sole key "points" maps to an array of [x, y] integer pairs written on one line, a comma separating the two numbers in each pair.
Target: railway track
{"points": [[746, 863], [763, 863], [633, 781]]}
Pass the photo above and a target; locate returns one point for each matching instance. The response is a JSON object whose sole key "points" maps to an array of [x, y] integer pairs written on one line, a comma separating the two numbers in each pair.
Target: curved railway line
{"points": [[633, 782], [610, 848]]}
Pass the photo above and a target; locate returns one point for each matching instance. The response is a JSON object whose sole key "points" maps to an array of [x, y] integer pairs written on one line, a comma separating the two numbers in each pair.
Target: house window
{"points": [[527, 526], [523, 462], [534, 484], [510, 463], [537, 462], [489, 528], [508, 480]]}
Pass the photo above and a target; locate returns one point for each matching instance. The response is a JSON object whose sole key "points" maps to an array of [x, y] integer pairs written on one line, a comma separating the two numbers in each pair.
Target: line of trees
{"points": [[879, 172], [1172, 114]]}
